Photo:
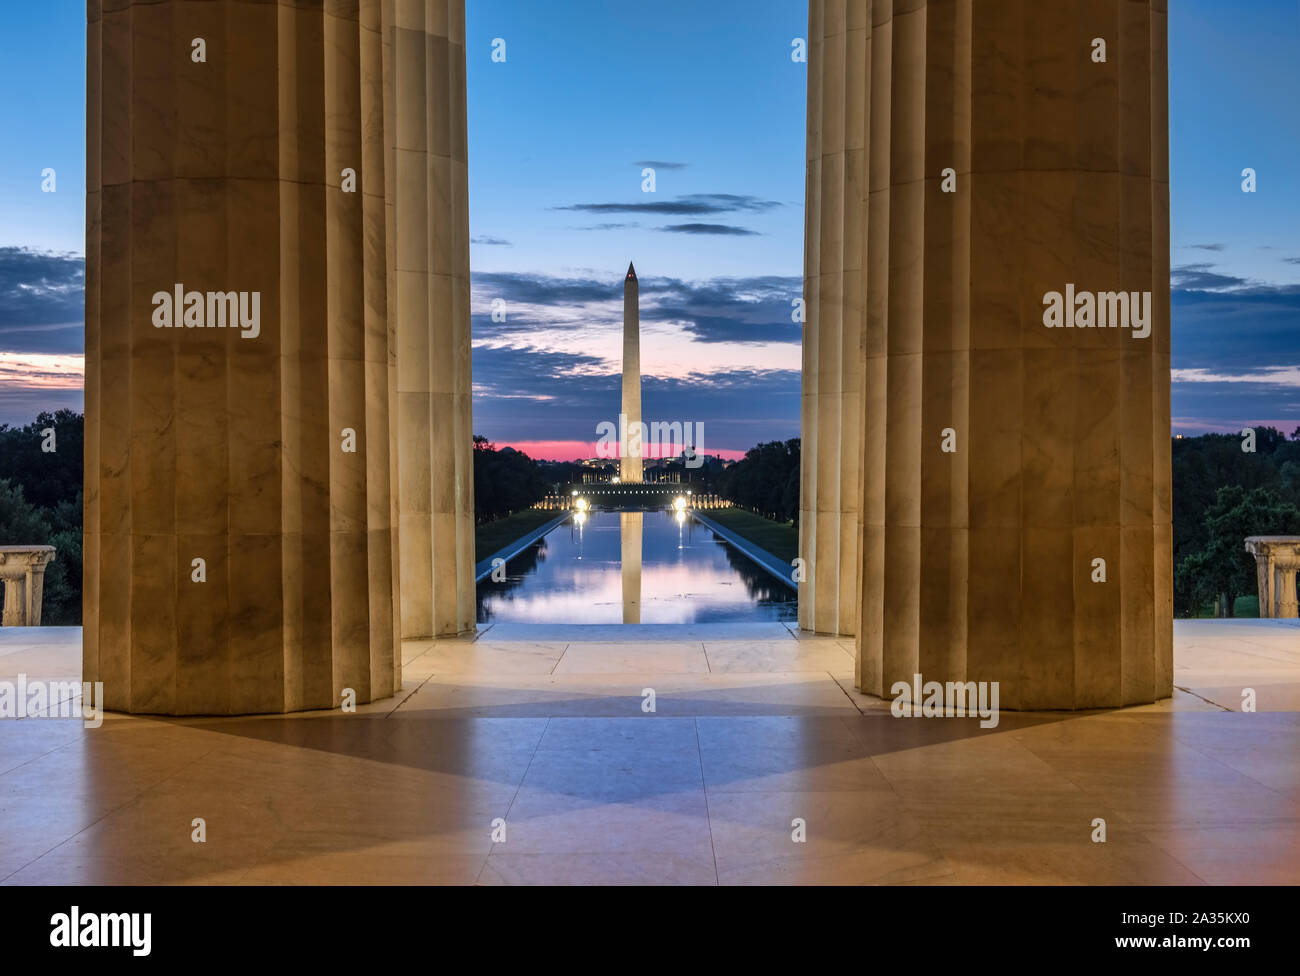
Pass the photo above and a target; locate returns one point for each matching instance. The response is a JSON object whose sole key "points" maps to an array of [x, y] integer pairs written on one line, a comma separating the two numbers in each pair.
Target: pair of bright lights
{"points": [[581, 504]]}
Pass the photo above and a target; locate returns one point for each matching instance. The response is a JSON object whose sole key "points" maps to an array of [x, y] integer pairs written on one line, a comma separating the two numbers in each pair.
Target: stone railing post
{"points": [[1277, 558], [22, 568]]}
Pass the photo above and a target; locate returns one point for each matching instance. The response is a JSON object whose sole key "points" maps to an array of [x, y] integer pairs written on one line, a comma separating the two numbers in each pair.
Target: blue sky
{"points": [[706, 93]]}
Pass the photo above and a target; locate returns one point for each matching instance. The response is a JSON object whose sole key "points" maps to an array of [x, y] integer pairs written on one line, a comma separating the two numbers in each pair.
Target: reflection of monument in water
{"points": [[630, 526], [629, 465]]}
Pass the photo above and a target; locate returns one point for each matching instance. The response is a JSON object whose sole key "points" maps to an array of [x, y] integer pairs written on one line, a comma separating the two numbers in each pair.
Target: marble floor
{"points": [[524, 756]]}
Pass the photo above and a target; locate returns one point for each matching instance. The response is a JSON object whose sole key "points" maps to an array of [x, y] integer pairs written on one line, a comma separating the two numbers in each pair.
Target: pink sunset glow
{"points": [[42, 371], [581, 450]]}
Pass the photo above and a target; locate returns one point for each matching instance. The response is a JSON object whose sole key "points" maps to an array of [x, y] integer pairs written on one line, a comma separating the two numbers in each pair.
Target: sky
{"points": [[589, 95]]}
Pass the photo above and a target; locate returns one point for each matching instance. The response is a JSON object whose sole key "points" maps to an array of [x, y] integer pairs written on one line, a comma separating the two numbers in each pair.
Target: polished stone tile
{"points": [[22, 740], [647, 733], [824, 768], [134, 869], [1033, 861], [1264, 854], [594, 790], [623, 695], [485, 658], [599, 869], [615, 774], [370, 867], [26, 636], [848, 838], [542, 821], [780, 731], [634, 658], [755, 656]]}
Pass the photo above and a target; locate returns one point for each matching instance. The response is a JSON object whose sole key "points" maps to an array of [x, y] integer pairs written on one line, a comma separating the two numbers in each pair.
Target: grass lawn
{"points": [[494, 536], [1243, 606], [1246, 606], [781, 539]]}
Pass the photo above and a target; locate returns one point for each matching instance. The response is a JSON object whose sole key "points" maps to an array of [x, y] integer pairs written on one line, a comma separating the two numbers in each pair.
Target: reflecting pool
{"points": [[633, 568]]}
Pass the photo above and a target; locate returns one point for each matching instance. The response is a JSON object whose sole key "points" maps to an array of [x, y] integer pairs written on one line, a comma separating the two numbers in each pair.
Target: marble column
{"points": [[831, 404], [240, 548], [429, 224], [966, 159]]}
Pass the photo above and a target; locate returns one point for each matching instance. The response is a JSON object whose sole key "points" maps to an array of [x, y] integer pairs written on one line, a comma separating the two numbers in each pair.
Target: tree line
{"points": [[40, 504], [1221, 495], [505, 481], [765, 480]]}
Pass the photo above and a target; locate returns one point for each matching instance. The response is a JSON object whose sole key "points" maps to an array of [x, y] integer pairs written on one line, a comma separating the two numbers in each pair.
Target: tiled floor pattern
{"points": [[755, 732]]}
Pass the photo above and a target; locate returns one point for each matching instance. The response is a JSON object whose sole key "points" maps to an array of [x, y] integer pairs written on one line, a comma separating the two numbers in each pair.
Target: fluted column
{"points": [[429, 224], [1015, 492], [239, 545], [834, 248]]}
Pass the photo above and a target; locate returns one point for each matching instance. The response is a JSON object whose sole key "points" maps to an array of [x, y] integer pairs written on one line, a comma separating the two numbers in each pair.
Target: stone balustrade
{"points": [[1277, 558], [22, 569]]}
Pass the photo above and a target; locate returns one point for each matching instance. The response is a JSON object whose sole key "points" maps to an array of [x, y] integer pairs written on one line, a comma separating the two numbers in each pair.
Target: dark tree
{"points": [[1221, 568], [765, 480], [25, 524], [505, 481], [47, 477]]}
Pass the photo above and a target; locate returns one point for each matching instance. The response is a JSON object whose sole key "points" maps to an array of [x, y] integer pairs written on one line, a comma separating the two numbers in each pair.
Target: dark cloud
{"points": [[1292, 260], [524, 394], [484, 239], [1239, 332], [1207, 247], [756, 310], [540, 289], [1225, 325], [525, 379], [1247, 328], [609, 226], [691, 205], [721, 229], [42, 301], [1199, 277], [659, 164], [753, 310]]}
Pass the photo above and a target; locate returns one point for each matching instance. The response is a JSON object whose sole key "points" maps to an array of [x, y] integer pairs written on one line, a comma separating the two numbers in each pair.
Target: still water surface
{"points": [[633, 567]]}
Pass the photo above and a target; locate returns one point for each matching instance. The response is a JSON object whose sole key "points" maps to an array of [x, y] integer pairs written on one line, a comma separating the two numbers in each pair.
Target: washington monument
{"points": [[629, 465]]}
